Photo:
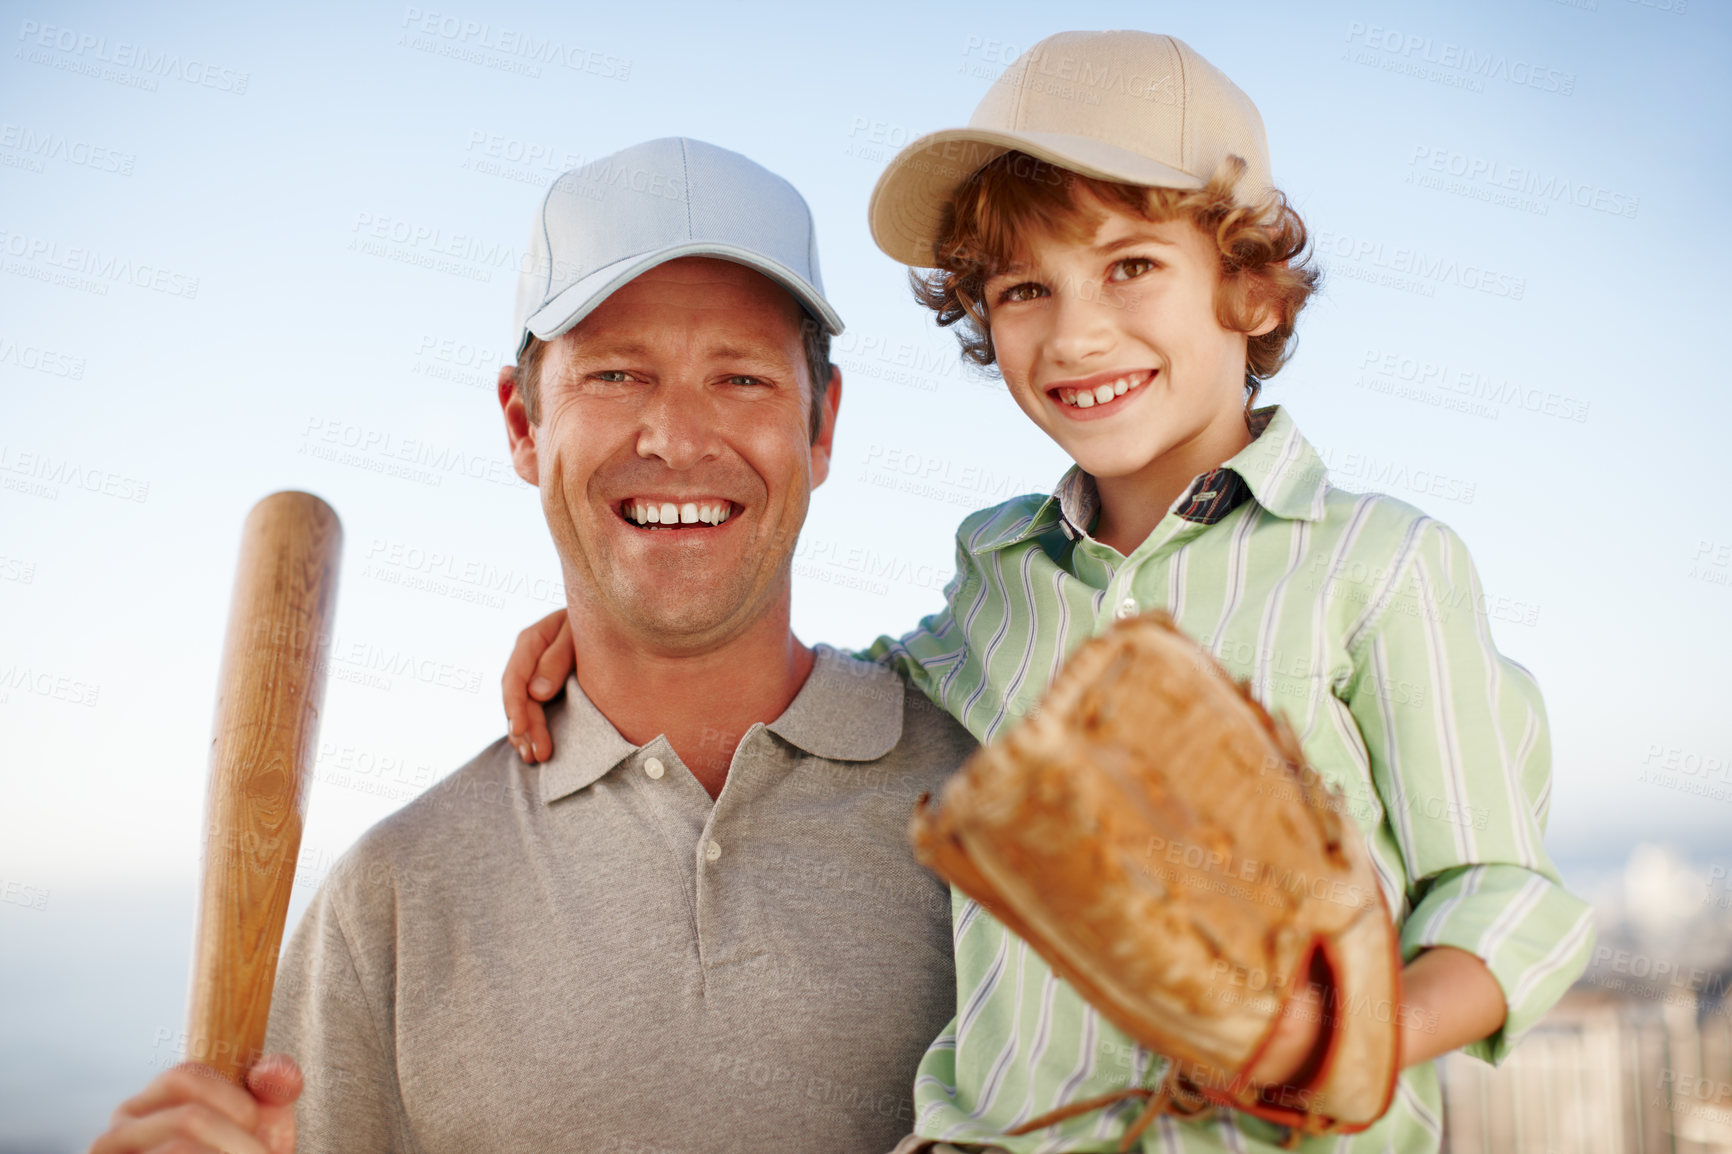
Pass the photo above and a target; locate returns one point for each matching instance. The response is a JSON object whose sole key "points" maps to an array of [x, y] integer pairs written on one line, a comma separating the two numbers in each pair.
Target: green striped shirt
{"points": [[1362, 620]]}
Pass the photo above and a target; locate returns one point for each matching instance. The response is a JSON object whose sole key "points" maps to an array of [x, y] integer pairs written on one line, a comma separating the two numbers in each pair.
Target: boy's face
{"points": [[1111, 345]]}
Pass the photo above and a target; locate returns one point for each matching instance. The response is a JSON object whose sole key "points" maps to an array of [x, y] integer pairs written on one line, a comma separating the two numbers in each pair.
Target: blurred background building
{"points": [[1637, 1058]]}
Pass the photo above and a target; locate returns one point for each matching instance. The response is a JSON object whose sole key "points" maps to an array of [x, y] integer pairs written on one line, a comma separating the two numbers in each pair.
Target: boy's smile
{"points": [[1091, 398], [1111, 343]]}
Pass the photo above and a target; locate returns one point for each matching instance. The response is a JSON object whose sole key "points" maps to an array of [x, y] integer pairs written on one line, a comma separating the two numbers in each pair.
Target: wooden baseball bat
{"points": [[269, 695]]}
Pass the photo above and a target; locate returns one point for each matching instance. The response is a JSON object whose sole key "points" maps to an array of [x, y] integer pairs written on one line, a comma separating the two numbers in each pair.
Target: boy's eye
{"points": [[1132, 267], [1026, 291]]}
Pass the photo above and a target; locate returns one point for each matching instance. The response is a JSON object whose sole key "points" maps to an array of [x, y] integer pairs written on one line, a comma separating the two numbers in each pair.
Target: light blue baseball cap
{"points": [[615, 218]]}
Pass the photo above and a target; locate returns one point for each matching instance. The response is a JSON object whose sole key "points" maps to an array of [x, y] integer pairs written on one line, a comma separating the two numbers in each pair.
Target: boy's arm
{"points": [[934, 647], [1461, 760]]}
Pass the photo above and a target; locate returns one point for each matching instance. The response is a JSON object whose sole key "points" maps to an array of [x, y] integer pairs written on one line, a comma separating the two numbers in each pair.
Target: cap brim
{"points": [[907, 206], [561, 314]]}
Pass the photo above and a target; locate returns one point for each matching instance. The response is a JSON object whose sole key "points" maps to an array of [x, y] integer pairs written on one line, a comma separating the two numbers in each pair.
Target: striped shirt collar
{"points": [[1279, 469]]}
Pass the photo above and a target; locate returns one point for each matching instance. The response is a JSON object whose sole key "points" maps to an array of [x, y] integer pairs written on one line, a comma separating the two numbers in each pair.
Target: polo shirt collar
{"points": [[848, 710], [585, 745], [1282, 471]]}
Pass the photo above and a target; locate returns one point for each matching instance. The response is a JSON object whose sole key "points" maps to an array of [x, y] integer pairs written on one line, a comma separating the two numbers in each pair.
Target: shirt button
{"points": [[654, 767], [1127, 608], [713, 851]]}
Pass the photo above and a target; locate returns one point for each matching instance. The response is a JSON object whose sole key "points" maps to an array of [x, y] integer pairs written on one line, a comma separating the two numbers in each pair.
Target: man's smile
{"points": [[658, 512]]}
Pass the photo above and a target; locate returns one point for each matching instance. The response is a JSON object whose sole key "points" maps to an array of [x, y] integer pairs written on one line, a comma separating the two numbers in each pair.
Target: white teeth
{"points": [[1100, 394], [688, 513]]}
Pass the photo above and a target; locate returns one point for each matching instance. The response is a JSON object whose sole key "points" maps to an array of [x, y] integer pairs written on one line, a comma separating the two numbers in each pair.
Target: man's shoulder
{"points": [[930, 740], [930, 734], [446, 827]]}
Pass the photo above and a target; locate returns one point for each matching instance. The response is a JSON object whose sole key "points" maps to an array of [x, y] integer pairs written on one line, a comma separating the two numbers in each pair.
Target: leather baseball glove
{"points": [[1158, 838]]}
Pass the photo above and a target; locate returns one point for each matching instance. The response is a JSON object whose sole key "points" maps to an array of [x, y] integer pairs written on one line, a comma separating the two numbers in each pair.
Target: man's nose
{"points": [[1082, 322], [678, 426]]}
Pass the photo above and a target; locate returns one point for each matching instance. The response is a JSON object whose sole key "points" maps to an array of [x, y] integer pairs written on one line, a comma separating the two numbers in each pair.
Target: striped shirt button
{"points": [[654, 767], [713, 851], [1127, 608]]}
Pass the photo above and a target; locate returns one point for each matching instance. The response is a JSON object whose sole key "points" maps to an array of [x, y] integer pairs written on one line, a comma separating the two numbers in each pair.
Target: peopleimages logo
{"points": [[1412, 267], [1426, 58], [458, 33], [44, 146], [82, 51], [90, 269], [1490, 176]]}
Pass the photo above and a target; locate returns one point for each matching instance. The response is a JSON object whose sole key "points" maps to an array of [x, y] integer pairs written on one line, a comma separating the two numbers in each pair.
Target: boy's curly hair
{"points": [[1265, 260]]}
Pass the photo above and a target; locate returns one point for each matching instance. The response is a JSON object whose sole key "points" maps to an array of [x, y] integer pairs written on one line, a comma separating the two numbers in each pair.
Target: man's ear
{"points": [[827, 430], [519, 430]]}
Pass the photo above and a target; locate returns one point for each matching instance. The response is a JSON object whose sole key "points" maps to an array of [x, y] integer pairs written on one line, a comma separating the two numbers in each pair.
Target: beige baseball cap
{"points": [[1133, 107]]}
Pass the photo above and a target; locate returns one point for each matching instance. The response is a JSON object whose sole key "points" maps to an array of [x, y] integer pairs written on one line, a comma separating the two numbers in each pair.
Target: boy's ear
{"points": [[519, 431], [1265, 316]]}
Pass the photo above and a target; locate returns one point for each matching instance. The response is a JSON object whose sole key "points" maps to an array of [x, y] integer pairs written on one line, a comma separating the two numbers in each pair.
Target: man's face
{"points": [[1111, 345], [684, 393]]}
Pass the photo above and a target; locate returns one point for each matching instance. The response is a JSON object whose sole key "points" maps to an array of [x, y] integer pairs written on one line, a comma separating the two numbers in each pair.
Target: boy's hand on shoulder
{"points": [[536, 671]]}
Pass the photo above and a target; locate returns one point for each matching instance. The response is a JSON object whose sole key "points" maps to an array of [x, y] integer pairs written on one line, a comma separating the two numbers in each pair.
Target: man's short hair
{"points": [[814, 342]]}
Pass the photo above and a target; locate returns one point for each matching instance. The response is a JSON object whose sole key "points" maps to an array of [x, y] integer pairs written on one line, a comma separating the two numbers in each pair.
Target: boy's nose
{"points": [[1082, 324]]}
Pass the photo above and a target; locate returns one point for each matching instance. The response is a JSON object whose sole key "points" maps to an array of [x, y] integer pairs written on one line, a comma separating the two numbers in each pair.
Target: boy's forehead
{"points": [[1105, 229]]}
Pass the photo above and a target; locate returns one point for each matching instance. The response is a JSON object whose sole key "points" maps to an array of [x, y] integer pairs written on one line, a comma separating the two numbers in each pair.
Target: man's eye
{"points": [[612, 376], [742, 379], [1026, 291], [1132, 267]]}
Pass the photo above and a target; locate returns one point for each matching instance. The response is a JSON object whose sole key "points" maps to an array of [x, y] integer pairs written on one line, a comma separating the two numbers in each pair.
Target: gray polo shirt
{"points": [[589, 955]]}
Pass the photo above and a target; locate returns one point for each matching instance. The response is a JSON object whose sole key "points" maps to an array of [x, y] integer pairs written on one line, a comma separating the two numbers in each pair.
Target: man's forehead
{"points": [[706, 277], [720, 304]]}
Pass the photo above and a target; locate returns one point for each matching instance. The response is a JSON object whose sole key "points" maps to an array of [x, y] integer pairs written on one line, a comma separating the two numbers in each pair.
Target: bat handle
{"points": [[264, 742]]}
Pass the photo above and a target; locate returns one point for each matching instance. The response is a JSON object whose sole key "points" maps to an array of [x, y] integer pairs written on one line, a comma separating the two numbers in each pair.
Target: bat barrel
{"points": [[269, 696]]}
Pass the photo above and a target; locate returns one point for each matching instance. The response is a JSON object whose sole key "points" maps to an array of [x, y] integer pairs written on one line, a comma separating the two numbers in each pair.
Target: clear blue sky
{"points": [[230, 238]]}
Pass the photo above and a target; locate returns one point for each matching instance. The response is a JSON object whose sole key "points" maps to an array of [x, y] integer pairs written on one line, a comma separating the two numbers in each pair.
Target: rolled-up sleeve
{"points": [[1461, 760]]}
